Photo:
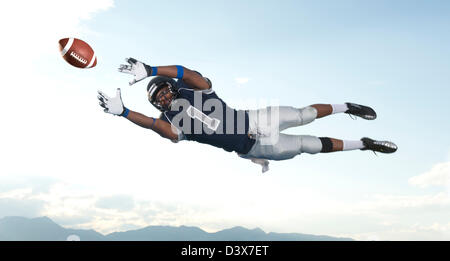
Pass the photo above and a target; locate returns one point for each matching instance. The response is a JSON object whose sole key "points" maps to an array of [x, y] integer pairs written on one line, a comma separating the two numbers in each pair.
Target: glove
{"points": [[139, 69], [111, 105]]}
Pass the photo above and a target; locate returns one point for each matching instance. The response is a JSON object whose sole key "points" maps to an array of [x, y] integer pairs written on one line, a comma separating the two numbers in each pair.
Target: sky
{"points": [[63, 157]]}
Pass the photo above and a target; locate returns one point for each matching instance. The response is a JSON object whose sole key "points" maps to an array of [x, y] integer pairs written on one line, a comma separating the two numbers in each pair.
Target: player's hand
{"points": [[139, 69], [111, 105]]}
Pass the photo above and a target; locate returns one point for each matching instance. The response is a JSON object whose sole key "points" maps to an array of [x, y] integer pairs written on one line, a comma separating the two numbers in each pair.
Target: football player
{"points": [[191, 110]]}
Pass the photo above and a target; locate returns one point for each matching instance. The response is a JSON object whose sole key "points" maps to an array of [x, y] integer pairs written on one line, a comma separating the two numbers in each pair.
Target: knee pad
{"points": [[308, 114], [327, 145], [310, 144]]}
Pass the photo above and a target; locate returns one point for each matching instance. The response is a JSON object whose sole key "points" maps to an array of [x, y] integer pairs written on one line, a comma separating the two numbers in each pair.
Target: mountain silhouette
{"points": [[44, 229], [40, 229]]}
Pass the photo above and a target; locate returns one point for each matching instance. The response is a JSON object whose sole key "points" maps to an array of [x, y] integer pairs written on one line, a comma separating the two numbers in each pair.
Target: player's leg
{"points": [[325, 109], [274, 119], [278, 118], [286, 147], [293, 117], [333, 145], [362, 111], [289, 146]]}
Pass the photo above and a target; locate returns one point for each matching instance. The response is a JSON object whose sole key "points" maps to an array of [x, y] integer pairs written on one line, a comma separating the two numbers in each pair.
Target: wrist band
{"points": [[180, 72], [125, 112], [154, 71], [154, 120]]}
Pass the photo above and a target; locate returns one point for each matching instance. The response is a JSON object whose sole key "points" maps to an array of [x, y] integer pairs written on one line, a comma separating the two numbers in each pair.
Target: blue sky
{"points": [[391, 55], [387, 55]]}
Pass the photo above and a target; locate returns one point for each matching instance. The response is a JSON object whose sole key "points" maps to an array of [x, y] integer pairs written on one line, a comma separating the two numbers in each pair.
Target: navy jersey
{"points": [[200, 115]]}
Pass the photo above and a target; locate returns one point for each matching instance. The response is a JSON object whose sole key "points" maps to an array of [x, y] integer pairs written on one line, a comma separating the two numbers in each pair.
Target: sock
{"points": [[337, 108], [353, 145]]}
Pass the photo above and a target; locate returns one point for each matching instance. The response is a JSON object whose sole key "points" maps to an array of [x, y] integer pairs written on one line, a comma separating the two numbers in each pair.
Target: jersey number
{"points": [[195, 113]]}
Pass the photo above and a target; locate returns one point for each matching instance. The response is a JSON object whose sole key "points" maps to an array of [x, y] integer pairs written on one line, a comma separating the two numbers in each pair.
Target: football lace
{"points": [[78, 58]]}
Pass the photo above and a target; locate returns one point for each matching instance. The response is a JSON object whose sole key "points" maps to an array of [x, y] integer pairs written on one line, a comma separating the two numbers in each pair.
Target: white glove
{"points": [[139, 69], [111, 105]]}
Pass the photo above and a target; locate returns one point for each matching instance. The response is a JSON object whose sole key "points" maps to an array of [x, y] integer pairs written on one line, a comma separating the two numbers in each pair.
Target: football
{"points": [[77, 53]]}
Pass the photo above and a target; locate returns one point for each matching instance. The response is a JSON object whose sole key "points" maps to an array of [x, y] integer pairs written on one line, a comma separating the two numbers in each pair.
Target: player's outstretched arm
{"points": [[190, 77], [161, 127], [141, 71], [114, 105]]}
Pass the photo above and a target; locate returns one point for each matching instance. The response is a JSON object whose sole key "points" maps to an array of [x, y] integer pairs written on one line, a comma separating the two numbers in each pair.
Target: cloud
{"points": [[432, 232], [38, 184], [439, 175], [407, 209], [118, 202], [70, 221], [379, 217], [30, 29], [21, 207], [30, 33]]}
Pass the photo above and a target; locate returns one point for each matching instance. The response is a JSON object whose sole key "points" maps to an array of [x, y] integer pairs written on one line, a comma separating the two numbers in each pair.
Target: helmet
{"points": [[157, 84]]}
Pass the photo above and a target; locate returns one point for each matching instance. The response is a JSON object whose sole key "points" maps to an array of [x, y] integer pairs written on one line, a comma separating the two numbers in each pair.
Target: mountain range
{"points": [[44, 229]]}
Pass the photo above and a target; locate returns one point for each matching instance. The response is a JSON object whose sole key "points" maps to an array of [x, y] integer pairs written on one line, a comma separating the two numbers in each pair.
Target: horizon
{"points": [[72, 236]]}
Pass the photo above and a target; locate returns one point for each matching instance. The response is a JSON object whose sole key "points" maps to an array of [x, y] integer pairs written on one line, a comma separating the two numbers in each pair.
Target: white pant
{"points": [[265, 126]]}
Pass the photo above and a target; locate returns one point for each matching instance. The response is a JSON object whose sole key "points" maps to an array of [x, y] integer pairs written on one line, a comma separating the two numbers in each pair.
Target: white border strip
{"points": [[92, 61], [67, 47]]}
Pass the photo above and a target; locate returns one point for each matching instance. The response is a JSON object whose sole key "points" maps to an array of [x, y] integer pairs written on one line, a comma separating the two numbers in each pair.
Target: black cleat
{"points": [[362, 111], [379, 146]]}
